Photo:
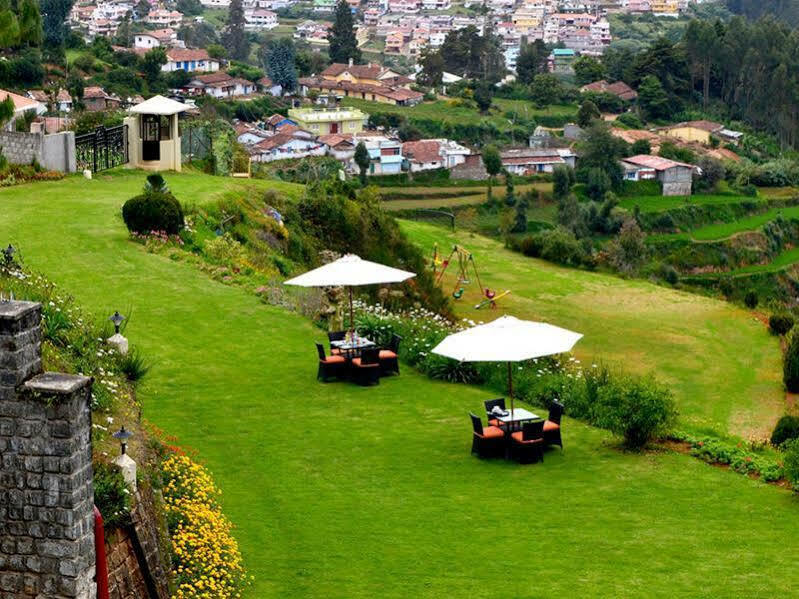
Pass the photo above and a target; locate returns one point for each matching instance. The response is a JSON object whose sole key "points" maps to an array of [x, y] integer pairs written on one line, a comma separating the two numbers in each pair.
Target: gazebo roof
{"points": [[159, 105]]}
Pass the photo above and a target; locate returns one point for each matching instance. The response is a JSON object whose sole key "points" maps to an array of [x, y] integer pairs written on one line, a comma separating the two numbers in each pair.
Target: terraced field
{"points": [[413, 198]]}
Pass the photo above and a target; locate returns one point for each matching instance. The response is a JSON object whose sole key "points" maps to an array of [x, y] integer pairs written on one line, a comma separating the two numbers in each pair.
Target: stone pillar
{"points": [[46, 492]]}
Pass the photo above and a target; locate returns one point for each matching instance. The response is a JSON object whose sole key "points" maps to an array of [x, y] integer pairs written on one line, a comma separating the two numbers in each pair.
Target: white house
{"points": [[249, 135], [259, 19], [285, 145], [215, 3], [22, 105], [221, 85], [191, 60], [165, 18]]}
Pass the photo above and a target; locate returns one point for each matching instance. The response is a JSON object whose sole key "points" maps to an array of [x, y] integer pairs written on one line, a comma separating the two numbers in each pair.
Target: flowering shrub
{"points": [[155, 240], [206, 562], [739, 457]]}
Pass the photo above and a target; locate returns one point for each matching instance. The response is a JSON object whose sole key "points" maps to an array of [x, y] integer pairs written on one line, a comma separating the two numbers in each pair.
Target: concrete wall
{"points": [[46, 490], [54, 152]]}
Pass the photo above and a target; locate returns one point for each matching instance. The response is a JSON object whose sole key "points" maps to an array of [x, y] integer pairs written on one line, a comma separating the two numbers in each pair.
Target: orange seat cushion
{"points": [[357, 362], [551, 426], [492, 432], [493, 422], [518, 437], [333, 360], [335, 351], [386, 354]]}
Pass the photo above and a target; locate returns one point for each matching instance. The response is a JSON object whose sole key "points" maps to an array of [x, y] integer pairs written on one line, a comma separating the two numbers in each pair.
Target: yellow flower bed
{"points": [[206, 562]]}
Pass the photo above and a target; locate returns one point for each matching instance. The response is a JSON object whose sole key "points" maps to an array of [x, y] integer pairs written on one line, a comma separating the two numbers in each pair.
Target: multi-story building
{"points": [[164, 18], [259, 19], [329, 120]]}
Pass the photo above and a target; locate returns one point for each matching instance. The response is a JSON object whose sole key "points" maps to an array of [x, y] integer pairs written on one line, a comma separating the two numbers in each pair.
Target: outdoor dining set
{"points": [[357, 358], [517, 433]]}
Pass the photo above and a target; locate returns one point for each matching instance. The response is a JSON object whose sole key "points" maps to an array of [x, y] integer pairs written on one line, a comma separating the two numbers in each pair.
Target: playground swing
{"points": [[464, 259]]}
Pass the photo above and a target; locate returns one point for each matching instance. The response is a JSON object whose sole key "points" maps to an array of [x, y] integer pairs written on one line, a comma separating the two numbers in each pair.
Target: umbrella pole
{"points": [[352, 320], [510, 391]]}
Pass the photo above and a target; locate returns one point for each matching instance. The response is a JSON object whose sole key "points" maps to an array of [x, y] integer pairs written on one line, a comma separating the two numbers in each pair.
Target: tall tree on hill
{"points": [[142, 9], [531, 61], [278, 59], [362, 159], [653, 100], [151, 65], [493, 165], [701, 42], [432, 74], [54, 19], [235, 38], [343, 45], [492, 60], [587, 70]]}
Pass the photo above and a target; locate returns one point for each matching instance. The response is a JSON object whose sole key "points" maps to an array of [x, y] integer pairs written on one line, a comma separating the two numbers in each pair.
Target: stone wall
{"points": [[46, 491], [472, 170], [54, 152]]}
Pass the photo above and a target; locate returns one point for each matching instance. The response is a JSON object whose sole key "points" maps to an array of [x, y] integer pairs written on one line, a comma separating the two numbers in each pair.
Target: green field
{"points": [[660, 203], [425, 197], [339, 491], [724, 230], [692, 342]]}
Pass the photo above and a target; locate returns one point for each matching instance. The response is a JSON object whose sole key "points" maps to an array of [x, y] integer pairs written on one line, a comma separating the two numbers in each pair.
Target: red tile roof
{"points": [[183, 54], [359, 71], [423, 152], [655, 162], [619, 88]]}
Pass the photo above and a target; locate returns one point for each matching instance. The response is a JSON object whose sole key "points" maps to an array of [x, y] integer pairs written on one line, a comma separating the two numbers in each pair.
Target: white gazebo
{"points": [[153, 134]]}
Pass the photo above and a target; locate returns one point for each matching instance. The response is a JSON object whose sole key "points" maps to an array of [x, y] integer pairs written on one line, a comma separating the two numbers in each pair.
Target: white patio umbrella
{"points": [[507, 339], [350, 271]]}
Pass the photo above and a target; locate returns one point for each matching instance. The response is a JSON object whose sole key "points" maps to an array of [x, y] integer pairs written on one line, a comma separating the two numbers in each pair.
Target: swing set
{"points": [[464, 259]]}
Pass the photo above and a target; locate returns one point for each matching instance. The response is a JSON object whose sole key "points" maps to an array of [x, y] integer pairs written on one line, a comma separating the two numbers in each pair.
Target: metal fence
{"points": [[195, 143], [102, 149]]}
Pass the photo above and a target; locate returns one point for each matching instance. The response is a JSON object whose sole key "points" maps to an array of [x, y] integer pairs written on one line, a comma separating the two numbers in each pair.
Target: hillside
{"points": [[335, 489]]}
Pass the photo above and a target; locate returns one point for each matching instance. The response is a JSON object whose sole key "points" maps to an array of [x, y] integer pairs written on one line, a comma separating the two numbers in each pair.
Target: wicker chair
{"points": [[488, 442], [389, 357], [336, 336], [330, 366], [366, 369], [527, 445], [490, 404], [552, 425]]}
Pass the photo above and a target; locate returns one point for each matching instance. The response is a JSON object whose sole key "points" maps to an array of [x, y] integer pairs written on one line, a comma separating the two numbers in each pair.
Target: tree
{"points": [[151, 65], [6, 111], [235, 37], [653, 100], [310, 63], [55, 15], [561, 184], [278, 58], [601, 149], [467, 53], [546, 89], [432, 73], [597, 184], [201, 35], [30, 23], [510, 194], [343, 45], [493, 164], [190, 8], [141, 9], [75, 87], [587, 70], [520, 223], [587, 114], [531, 61], [123, 34], [628, 251], [641, 146], [482, 96], [701, 44], [216, 51], [362, 159]]}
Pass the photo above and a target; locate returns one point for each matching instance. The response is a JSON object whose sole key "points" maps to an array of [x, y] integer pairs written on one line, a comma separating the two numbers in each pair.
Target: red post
{"points": [[101, 566]]}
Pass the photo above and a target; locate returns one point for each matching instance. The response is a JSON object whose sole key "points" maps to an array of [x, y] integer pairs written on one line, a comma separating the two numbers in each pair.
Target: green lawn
{"points": [[723, 230], [472, 195], [660, 203], [339, 491], [694, 343]]}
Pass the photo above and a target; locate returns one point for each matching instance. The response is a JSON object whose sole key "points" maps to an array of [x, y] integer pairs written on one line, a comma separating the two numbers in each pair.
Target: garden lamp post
{"points": [[117, 319], [122, 435]]}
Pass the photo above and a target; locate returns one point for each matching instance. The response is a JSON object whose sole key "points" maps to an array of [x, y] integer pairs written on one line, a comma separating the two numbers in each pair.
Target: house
{"points": [[156, 38], [385, 153], [675, 177], [329, 120], [561, 61], [619, 89], [633, 135], [386, 94], [430, 154], [267, 86], [693, 131], [528, 161], [274, 122], [341, 147], [61, 103], [95, 99], [191, 60], [164, 18], [472, 169], [220, 85], [259, 19], [22, 104], [370, 74], [285, 145], [248, 135]]}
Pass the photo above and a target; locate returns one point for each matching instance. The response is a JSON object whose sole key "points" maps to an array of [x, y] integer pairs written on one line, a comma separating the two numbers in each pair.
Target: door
{"points": [[333, 127], [150, 137]]}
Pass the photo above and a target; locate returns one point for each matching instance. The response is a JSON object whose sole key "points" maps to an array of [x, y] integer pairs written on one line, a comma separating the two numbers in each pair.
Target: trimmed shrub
{"points": [[751, 300], [639, 410], [780, 324], [111, 495], [787, 429], [153, 211], [791, 463], [790, 365]]}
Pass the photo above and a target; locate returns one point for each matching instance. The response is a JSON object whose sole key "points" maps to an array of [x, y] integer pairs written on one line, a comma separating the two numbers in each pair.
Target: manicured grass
{"points": [[339, 491], [660, 203], [724, 367]]}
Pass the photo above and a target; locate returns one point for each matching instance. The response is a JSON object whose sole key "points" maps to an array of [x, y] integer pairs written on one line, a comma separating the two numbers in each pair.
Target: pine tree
{"points": [[343, 45], [54, 18], [362, 159], [235, 38], [278, 60]]}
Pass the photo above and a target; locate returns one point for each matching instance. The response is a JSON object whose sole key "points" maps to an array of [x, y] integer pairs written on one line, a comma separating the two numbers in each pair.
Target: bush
{"points": [[751, 300], [639, 410], [111, 495], [787, 429], [791, 462], [790, 365], [780, 324], [133, 365], [153, 211], [630, 119]]}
